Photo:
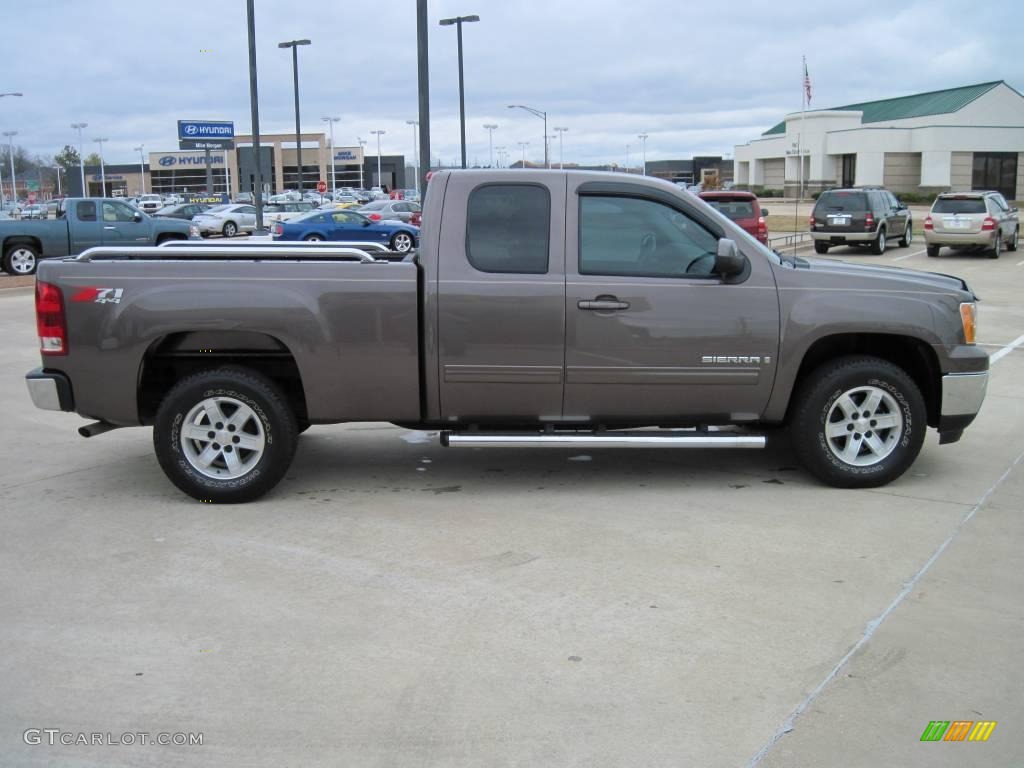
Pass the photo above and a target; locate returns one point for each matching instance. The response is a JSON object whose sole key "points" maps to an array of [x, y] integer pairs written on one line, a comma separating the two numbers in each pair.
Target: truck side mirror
{"points": [[729, 262], [137, 217]]}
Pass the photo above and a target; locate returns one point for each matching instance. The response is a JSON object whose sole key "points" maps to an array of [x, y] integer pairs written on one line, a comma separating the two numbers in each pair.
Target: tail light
{"points": [[279, 229], [762, 229], [810, 221], [51, 323], [988, 224], [928, 224], [374, 217], [869, 221]]}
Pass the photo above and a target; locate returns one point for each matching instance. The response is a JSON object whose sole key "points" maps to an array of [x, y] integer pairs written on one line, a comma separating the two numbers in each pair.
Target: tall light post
{"points": [[416, 151], [15, 199], [627, 158], [294, 45], [561, 155], [378, 134], [643, 149], [81, 155], [103, 172], [501, 152], [491, 128], [458, 21], [523, 145], [142, 167], [58, 169], [362, 162], [544, 116], [330, 122], [10, 154]]}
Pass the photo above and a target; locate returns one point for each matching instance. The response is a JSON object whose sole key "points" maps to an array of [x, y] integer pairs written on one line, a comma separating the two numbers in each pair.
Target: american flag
{"points": [[807, 83]]}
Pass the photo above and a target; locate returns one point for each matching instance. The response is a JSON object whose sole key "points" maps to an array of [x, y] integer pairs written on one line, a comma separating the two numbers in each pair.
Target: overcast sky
{"points": [[698, 77]]}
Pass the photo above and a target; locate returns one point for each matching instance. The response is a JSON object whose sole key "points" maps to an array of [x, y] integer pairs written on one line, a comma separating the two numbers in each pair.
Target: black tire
{"points": [[908, 234], [401, 242], [230, 229], [1012, 245], [933, 251], [820, 247], [997, 247], [813, 408], [21, 260], [878, 244], [313, 239], [268, 405]]}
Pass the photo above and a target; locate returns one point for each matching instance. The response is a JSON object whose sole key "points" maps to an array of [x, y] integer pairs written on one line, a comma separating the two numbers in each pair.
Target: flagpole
{"points": [[800, 135]]}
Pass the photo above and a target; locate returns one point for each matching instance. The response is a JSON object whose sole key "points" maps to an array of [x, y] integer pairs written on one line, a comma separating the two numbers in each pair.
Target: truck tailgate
{"points": [[352, 328]]}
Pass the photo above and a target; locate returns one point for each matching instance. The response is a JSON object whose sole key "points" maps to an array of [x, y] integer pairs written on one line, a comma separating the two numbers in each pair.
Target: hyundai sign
{"points": [[206, 134]]}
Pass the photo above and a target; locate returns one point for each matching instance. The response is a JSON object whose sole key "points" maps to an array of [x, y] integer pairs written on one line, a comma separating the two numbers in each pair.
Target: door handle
{"points": [[603, 304], [109, 227]]}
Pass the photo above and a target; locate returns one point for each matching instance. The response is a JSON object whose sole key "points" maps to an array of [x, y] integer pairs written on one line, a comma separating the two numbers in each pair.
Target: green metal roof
{"points": [[915, 105]]}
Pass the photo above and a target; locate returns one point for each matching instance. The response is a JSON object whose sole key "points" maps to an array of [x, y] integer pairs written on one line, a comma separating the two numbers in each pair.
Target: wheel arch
{"points": [[174, 356], [15, 240], [911, 354]]}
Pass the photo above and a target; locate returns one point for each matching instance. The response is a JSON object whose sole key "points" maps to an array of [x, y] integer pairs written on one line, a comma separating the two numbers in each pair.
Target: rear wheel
{"points": [[820, 247], [401, 242], [908, 235], [933, 250], [997, 246], [230, 229], [859, 422], [1012, 245], [21, 260], [226, 435], [878, 245]]}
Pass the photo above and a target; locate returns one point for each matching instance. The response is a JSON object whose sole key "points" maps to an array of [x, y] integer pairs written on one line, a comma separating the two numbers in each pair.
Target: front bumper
{"points": [[962, 396], [50, 390], [962, 239]]}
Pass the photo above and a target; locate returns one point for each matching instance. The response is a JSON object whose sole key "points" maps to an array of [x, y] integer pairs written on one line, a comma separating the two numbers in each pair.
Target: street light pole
{"points": [[103, 172], [254, 112], [643, 149], [10, 154], [294, 45], [561, 156], [523, 145], [58, 169], [416, 151], [544, 116], [15, 199], [330, 122], [458, 21], [491, 128], [379, 177], [501, 152], [627, 158], [81, 155], [362, 161], [142, 168]]}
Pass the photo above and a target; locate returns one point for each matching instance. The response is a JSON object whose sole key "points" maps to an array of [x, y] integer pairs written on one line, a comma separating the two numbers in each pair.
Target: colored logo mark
{"points": [[958, 730]]}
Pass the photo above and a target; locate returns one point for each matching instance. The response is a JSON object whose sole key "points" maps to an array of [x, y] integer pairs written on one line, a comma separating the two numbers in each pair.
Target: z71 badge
{"points": [[99, 295]]}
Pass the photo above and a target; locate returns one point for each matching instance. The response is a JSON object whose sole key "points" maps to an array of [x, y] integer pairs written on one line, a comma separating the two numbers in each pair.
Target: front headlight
{"points": [[969, 318]]}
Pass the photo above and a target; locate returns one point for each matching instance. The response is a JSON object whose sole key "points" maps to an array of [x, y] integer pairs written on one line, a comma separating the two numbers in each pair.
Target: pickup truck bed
{"points": [[542, 308]]}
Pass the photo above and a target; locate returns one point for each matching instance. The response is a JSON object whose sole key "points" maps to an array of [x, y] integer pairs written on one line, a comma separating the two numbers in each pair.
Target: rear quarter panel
{"points": [[50, 234], [352, 328]]}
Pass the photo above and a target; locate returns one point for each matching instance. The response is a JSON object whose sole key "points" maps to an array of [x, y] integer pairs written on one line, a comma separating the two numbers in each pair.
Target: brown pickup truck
{"points": [[542, 309]]}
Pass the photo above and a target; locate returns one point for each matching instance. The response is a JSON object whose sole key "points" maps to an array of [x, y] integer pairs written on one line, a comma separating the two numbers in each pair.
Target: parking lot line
{"points": [[1020, 263], [996, 357], [907, 256]]}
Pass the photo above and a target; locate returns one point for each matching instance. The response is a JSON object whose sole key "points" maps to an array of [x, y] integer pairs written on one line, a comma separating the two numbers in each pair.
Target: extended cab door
{"points": [[120, 227], [84, 227], [500, 299], [652, 332]]}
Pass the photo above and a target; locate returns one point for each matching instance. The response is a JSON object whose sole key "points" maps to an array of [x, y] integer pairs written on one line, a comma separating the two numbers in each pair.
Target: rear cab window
{"points": [[508, 228], [86, 210]]}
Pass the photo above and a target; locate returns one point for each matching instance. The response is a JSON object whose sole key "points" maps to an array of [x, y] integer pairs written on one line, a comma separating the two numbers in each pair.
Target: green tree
{"points": [[67, 158], [92, 159]]}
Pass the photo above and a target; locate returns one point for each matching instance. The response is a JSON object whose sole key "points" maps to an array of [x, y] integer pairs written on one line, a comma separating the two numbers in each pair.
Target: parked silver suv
{"points": [[972, 220]]}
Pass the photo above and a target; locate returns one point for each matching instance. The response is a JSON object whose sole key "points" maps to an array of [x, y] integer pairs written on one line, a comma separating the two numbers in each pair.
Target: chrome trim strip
{"points": [[44, 394], [215, 252], [963, 393], [605, 440]]}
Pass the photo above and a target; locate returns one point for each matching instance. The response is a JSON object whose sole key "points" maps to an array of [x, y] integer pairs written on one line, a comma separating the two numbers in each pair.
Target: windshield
{"points": [[959, 205], [847, 202]]}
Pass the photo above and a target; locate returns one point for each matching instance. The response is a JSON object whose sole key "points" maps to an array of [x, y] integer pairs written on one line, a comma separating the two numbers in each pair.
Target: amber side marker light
{"points": [[969, 318]]}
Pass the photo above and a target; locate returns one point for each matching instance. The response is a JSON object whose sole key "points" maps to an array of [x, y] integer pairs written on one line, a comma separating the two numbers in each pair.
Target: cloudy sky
{"points": [[698, 77]]}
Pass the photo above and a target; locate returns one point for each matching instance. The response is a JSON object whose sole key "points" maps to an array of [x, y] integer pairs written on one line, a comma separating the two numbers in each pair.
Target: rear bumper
{"points": [[962, 396], [50, 390], [966, 239], [844, 237]]}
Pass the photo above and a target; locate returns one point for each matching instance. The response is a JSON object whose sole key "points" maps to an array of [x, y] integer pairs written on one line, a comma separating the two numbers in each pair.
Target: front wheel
{"points": [[230, 229], [313, 239], [21, 260], [401, 242], [859, 422], [820, 246], [908, 235], [225, 435]]}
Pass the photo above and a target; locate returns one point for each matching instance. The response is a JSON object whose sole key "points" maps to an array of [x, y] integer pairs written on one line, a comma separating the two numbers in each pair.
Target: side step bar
{"points": [[663, 439]]}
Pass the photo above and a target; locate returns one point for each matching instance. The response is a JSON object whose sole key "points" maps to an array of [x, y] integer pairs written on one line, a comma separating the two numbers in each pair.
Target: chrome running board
{"points": [[662, 439]]}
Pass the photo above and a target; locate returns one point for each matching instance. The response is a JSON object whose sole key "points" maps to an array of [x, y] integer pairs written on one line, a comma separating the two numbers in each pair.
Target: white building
{"points": [[957, 139]]}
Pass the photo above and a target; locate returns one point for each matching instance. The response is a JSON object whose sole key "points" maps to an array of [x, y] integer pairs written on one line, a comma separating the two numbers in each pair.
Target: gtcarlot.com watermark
{"points": [[54, 736]]}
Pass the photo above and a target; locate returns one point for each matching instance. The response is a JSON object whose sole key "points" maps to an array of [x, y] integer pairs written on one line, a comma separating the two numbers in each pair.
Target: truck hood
{"points": [[897, 278]]}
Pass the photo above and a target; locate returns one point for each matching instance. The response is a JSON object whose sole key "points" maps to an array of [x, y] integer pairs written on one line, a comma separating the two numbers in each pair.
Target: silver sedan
{"points": [[389, 210], [227, 220]]}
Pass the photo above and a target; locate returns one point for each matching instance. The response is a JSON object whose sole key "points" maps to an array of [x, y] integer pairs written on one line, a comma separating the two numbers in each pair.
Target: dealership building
{"points": [[234, 170], [957, 139]]}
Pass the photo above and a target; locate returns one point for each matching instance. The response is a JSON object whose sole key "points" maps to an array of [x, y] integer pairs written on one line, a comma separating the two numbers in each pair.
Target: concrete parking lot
{"points": [[395, 603]]}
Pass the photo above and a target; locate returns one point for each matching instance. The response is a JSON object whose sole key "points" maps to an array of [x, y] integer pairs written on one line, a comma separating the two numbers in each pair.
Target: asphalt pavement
{"points": [[396, 603]]}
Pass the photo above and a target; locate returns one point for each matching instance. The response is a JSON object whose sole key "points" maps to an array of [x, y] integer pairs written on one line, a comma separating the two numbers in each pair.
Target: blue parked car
{"points": [[325, 226]]}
